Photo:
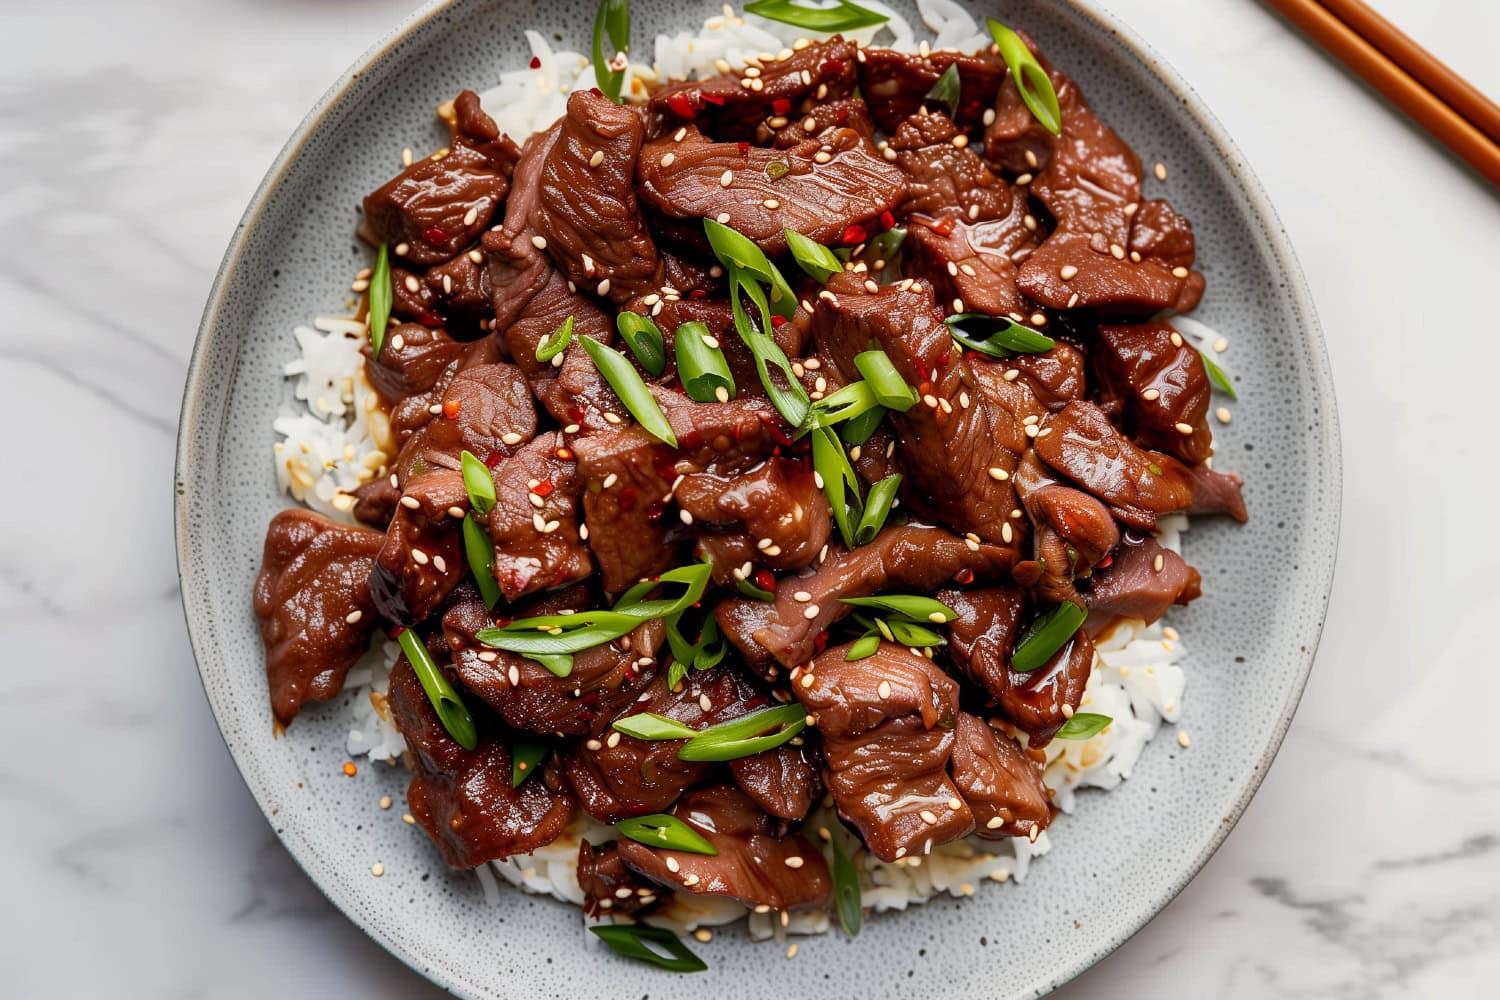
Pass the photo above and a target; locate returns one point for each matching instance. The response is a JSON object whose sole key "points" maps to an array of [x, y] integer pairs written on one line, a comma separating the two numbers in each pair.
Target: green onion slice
{"points": [[480, 551], [450, 708], [1046, 634], [864, 646], [1217, 376], [1083, 725], [747, 588], [846, 889], [785, 393], [381, 294], [813, 257], [635, 941], [859, 429], [612, 21], [650, 726], [853, 400], [480, 483], [741, 737], [626, 382], [524, 758], [878, 504], [712, 645], [886, 383], [702, 369], [945, 91], [555, 342], [913, 607], [911, 634], [884, 246], [1031, 80], [666, 832], [840, 485], [845, 17], [734, 249], [644, 339], [694, 579], [1008, 337], [561, 664]]}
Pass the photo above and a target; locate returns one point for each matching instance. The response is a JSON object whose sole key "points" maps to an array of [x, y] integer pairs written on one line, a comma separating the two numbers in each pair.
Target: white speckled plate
{"points": [[1115, 863]]}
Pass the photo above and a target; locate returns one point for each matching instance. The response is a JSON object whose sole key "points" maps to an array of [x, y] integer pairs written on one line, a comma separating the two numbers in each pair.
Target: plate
{"points": [[1115, 862]]}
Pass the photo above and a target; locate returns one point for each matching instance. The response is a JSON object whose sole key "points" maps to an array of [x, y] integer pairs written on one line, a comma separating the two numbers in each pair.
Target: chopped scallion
{"points": [[813, 257], [524, 758], [635, 941], [878, 504], [666, 832], [946, 90], [702, 369], [479, 549], [611, 30], [912, 606], [886, 383], [479, 481], [450, 708], [1007, 338], [844, 17], [1083, 725], [1030, 78], [555, 342], [381, 294], [644, 339], [1046, 634], [627, 384]]}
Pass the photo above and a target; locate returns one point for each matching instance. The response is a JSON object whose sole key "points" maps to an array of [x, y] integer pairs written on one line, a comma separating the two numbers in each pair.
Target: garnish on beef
{"points": [[537, 544], [896, 84], [423, 556], [437, 206]]}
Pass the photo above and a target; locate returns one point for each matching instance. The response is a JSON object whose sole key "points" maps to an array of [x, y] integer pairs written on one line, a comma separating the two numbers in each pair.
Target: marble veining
{"points": [[136, 864]]}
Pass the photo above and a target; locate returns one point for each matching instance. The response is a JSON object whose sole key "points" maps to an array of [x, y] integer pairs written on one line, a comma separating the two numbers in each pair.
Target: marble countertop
{"points": [[135, 863]]}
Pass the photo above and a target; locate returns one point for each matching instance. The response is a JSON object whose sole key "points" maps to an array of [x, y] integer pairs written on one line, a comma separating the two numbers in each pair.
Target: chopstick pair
{"points": [[1451, 109]]}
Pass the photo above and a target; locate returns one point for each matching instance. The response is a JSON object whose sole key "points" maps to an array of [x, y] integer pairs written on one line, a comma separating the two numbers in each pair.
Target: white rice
{"points": [[336, 438]]}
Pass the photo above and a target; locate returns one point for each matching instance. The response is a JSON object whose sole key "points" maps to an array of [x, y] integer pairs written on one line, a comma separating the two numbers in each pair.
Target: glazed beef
{"points": [[1039, 702], [782, 132], [411, 361], [1001, 784], [827, 185], [422, 558], [312, 598], [981, 636], [944, 180], [604, 682], [775, 515], [1143, 581], [412, 299], [461, 288], [906, 559], [1054, 377], [610, 886], [1166, 385], [586, 209], [534, 522], [752, 863], [895, 84], [1109, 251], [463, 798], [1074, 531], [784, 782], [729, 109], [626, 475], [1216, 493], [437, 206], [887, 726], [472, 127], [375, 502]]}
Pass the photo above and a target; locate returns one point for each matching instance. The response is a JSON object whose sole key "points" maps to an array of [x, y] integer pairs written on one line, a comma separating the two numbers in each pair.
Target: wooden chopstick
{"points": [[1463, 137]]}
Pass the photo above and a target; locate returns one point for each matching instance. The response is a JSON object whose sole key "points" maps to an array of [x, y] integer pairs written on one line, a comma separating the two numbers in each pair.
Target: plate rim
{"points": [[1279, 244]]}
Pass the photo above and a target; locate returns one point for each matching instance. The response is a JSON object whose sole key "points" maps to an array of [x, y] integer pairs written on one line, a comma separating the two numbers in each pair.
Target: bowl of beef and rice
{"points": [[668, 489]]}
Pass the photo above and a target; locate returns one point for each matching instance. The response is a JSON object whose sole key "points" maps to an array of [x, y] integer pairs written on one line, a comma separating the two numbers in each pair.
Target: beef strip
{"points": [[784, 782], [412, 300], [375, 502], [1133, 587], [461, 287], [1034, 701], [463, 798], [461, 411], [609, 886], [781, 132], [605, 680], [586, 207], [411, 361], [685, 180], [537, 546], [312, 598], [1166, 385], [1000, 782], [1090, 182], [1054, 377], [950, 440], [1074, 531], [726, 108], [627, 533], [905, 558], [422, 558], [774, 514], [981, 636], [472, 127], [752, 863], [895, 84], [437, 206], [887, 726], [1216, 493], [944, 180]]}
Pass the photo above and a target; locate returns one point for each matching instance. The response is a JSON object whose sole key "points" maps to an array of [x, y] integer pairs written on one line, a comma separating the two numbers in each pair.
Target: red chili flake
{"points": [[627, 498], [494, 458], [964, 577], [681, 106], [887, 220], [536, 62], [1105, 563], [777, 322], [434, 235], [596, 92], [841, 115], [855, 235], [575, 414], [820, 641], [665, 470], [396, 631], [832, 67], [430, 318], [781, 105], [942, 360], [543, 489], [690, 440], [743, 147], [656, 510], [944, 228], [765, 580], [452, 407], [717, 100], [697, 294], [773, 428], [564, 454]]}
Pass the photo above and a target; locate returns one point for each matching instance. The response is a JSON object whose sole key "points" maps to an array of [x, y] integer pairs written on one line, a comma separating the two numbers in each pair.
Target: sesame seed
{"points": [[539, 522], [726, 178], [1158, 562], [406, 157], [885, 689], [889, 153], [668, 159], [810, 612], [1183, 428], [440, 564], [597, 158], [1067, 272], [512, 437], [377, 869], [408, 819], [960, 141], [1118, 253], [1072, 300], [808, 680], [411, 284], [435, 409], [359, 285], [401, 249], [1005, 532], [471, 216], [1223, 414], [958, 305], [411, 502], [476, 257], [1161, 171], [771, 203], [419, 556], [1151, 394], [704, 703], [604, 287], [613, 740], [1179, 272], [794, 862], [722, 218], [672, 865], [822, 156], [1011, 374], [929, 817], [963, 398], [1183, 739], [989, 117], [1023, 180]]}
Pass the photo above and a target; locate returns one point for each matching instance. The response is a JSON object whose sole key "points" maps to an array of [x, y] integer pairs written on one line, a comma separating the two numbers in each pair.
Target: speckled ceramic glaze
{"points": [[1115, 863]]}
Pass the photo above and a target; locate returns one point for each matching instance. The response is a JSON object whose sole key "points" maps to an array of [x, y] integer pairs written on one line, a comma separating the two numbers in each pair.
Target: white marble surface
{"points": [[134, 863]]}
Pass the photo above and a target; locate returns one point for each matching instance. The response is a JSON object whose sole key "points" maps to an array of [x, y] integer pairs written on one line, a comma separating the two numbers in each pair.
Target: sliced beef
{"points": [[1166, 384], [586, 207], [1143, 581], [375, 502], [1074, 531], [887, 726], [752, 863], [537, 545], [696, 178], [312, 598], [775, 514], [1055, 377], [610, 886], [784, 782], [950, 440], [462, 798], [725, 439], [1090, 182], [895, 84], [422, 558], [1035, 701], [981, 636], [783, 132], [604, 682], [626, 475], [461, 287], [485, 409], [973, 263], [1216, 493], [437, 206], [730, 108], [944, 180], [411, 361], [412, 300], [1000, 782], [907, 559], [472, 127]]}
